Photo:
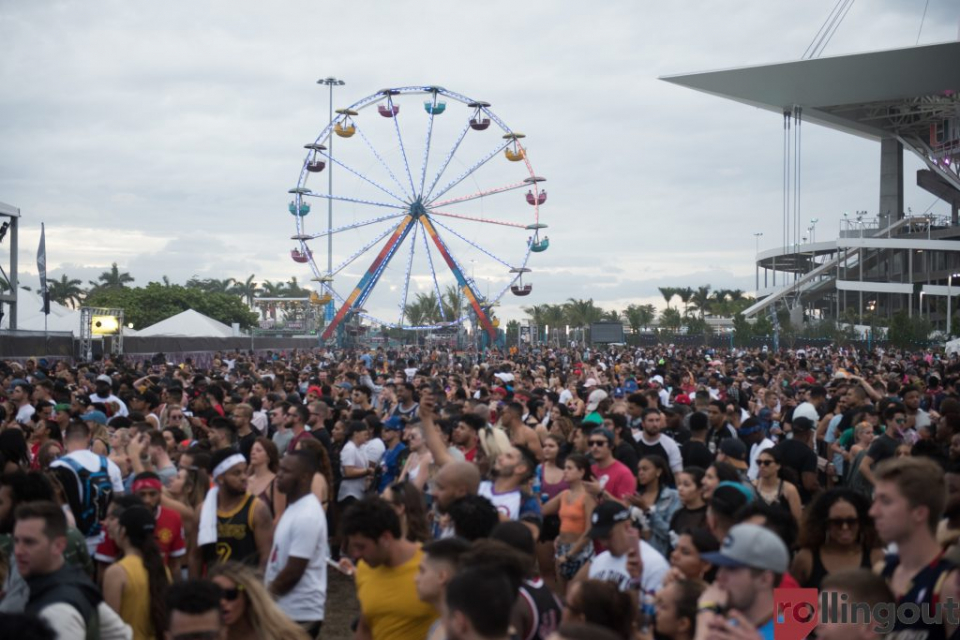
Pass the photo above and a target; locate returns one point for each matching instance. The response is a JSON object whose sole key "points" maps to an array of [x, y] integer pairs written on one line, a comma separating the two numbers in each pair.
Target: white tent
{"points": [[188, 324], [30, 315], [953, 346]]}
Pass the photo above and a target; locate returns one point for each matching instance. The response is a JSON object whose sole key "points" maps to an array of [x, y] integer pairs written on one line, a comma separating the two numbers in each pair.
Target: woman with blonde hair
{"points": [[247, 609]]}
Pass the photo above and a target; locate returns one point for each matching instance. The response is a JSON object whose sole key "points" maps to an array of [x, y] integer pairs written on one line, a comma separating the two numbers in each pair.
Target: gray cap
{"points": [[750, 545]]}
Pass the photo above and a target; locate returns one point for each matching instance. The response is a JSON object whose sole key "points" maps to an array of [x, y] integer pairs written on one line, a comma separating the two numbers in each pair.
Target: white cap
{"points": [[104, 378], [658, 379], [591, 382], [595, 398], [806, 410]]}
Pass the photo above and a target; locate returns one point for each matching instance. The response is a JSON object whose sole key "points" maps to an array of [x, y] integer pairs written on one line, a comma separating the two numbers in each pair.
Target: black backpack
{"points": [[96, 491]]}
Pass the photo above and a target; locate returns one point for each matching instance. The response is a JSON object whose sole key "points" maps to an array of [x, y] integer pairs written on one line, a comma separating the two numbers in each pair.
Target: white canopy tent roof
{"points": [[30, 315], [188, 324]]}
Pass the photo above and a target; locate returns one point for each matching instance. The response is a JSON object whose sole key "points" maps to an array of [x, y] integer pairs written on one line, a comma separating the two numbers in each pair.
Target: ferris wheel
{"points": [[428, 204]]}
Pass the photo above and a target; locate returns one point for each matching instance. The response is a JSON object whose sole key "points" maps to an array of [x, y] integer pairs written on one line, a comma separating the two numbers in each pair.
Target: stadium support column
{"points": [[891, 181]]}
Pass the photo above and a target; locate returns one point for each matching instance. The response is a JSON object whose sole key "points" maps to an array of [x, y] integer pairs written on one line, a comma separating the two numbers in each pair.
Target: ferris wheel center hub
{"points": [[417, 209]]}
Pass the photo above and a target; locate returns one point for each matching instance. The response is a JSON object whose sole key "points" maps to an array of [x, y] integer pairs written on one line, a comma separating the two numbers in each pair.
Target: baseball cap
{"points": [[104, 378], [750, 545], [595, 398], [591, 382], [806, 410], [95, 416], [658, 379], [735, 451], [802, 424], [682, 399], [393, 423], [606, 517]]}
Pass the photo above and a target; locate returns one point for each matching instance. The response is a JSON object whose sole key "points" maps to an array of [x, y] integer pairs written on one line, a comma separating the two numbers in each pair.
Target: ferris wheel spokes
{"points": [[426, 147], [355, 225], [362, 177], [466, 286], [403, 151], [469, 171], [369, 279], [480, 194], [406, 275], [472, 219], [433, 273], [475, 245], [383, 162], [346, 263], [387, 205], [449, 157]]}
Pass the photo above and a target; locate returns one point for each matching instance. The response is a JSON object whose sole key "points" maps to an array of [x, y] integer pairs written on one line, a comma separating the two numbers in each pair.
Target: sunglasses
{"points": [[765, 463], [231, 594], [598, 443], [843, 522]]}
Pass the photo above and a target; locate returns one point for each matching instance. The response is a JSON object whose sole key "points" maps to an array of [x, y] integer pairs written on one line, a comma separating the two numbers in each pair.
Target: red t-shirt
{"points": [[620, 482], [169, 535]]}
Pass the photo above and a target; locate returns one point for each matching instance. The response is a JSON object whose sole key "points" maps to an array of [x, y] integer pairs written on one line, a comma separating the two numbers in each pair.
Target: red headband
{"points": [[147, 483]]}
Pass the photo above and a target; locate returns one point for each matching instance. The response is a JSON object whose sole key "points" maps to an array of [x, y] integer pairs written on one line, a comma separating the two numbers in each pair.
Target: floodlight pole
{"points": [[757, 256], [330, 82]]}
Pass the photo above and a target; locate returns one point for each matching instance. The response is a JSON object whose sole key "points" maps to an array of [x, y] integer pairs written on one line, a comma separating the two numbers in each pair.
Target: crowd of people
{"points": [[539, 493]]}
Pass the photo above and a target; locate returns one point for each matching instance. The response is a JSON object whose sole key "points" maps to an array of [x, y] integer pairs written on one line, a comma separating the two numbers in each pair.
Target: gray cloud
{"points": [[165, 137]]}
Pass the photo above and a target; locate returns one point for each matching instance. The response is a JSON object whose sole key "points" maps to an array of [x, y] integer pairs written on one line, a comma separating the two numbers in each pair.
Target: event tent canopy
{"points": [[188, 324]]}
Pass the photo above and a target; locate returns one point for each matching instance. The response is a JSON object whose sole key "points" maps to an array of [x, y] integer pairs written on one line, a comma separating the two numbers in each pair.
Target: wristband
{"points": [[712, 607]]}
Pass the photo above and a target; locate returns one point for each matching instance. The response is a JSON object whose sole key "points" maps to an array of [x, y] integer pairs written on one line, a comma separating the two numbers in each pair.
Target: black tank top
{"points": [[780, 500], [545, 609], [235, 539], [925, 588], [819, 572]]}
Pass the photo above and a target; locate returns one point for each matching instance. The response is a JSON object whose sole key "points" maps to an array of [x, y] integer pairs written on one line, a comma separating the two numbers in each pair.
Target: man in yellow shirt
{"points": [[387, 566]]}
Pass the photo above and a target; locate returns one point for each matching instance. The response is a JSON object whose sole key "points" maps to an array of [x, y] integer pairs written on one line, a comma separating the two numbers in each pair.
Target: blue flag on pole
{"points": [[42, 269]]}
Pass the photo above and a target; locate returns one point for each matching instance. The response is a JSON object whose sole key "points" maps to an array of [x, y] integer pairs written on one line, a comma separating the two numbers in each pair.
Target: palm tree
{"points": [[582, 313], [700, 300], [555, 317], [668, 293], [611, 316], [213, 285], [294, 290], [685, 294], [65, 291], [536, 313], [639, 316], [246, 289], [113, 279], [425, 309], [166, 281], [671, 319], [452, 302], [272, 289]]}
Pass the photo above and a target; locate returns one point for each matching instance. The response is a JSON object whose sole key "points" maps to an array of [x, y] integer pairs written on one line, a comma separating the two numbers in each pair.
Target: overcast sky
{"points": [[164, 136]]}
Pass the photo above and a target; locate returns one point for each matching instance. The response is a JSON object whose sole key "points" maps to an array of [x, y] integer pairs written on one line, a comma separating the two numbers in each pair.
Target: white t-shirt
{"points": [[611, 568], [754, 470], [302, 533], [91, 462], [352, 456], [122, 411], [24, 413], [374, 449]]}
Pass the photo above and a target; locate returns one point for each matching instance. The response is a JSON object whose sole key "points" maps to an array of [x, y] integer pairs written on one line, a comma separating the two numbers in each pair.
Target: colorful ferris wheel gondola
{"points": [[519, 288], [316, 164], [345, 128], [514, 151], [479, 122]]}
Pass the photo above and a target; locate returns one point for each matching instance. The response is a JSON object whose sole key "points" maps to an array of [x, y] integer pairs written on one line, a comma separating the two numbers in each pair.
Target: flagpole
{"points": [[44, 295]]}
